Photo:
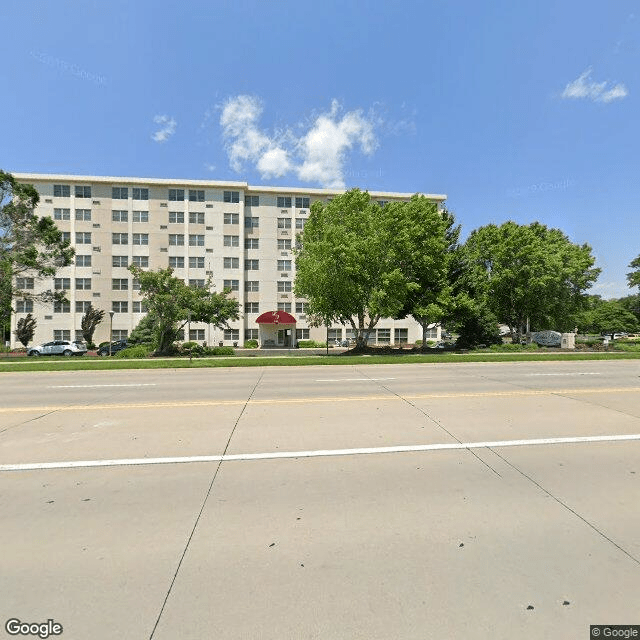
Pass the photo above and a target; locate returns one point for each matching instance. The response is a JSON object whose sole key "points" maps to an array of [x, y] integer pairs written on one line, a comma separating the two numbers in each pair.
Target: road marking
{"points": [[334, 399], [573, 373], [321, 453], [350, 379], [92, 386]]}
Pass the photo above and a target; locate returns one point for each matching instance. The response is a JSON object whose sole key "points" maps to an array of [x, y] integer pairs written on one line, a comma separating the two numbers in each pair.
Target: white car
{"points": [[59, 348]]}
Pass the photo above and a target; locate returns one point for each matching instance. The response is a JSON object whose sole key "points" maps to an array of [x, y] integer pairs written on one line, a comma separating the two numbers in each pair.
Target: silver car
{"points": [[59, 348]]}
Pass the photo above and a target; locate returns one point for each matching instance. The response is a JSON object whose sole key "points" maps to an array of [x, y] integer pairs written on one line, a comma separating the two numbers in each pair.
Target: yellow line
{"points": [[386, 398]]}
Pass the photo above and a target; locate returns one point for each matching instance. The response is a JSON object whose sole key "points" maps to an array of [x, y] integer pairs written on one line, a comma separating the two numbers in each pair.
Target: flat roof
{"points": [[51, 177]]}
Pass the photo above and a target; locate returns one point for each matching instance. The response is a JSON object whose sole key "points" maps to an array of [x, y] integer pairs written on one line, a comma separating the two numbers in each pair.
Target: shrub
{"points": [[139, 351], [418, 343], [251, 344], [509, 346], [311, 344], [219, 351], [192, 349]]}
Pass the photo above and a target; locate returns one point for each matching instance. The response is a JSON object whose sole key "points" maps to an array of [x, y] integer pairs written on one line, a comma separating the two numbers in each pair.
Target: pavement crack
{"points": [[567, 507], [204, 503]]}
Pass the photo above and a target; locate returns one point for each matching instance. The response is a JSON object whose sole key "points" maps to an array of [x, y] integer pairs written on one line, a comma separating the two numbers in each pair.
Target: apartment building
{"points": [[238, 235]]}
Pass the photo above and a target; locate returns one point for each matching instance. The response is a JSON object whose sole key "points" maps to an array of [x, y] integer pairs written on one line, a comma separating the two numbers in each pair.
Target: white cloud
{"points": [[167, 128], [584, 87], [317, 155], [210, 167]]}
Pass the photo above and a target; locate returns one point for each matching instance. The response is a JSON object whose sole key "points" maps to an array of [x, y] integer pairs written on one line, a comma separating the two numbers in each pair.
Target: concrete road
{"points": [[371, 502]]}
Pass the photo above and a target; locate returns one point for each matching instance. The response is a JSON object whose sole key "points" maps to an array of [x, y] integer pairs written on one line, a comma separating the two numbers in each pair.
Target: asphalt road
{"points": [[376, 502]]}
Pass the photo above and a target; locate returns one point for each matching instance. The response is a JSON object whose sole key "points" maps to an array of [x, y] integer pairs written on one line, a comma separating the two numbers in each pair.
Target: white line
{"points": [[313, 454], [91, 386], [350, 379], [576, 373]]}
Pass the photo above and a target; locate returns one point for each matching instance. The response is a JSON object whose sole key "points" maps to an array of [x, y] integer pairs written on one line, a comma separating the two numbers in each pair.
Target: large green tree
{"points": [[633, 277], [90, 320], [25, 329], [606, 316], [172, 303], [29, 245], [529, 272]]}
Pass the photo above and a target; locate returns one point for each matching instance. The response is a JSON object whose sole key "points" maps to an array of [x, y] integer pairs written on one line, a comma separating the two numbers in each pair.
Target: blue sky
{"points": [[521, 111]]}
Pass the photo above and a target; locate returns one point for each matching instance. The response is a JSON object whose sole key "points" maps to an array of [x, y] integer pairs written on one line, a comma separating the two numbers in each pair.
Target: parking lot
{"points": [[394, 501]]}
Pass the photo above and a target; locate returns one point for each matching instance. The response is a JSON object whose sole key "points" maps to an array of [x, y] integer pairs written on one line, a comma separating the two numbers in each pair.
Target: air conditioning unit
{"points": [[284, 295], [49, 200], [97, 249], [284, 232], [96, 202], [284, 253], [164, 204], [284, 275], [96, 225], [96, 272], [164, 249], [163, 226]]}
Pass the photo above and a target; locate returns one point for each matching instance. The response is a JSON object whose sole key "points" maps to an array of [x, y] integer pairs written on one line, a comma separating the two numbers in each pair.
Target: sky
{"points": [[524, 111]]}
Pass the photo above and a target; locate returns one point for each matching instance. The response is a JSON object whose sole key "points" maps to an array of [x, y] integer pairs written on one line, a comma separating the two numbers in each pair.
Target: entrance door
{"points": [[281, 337]]}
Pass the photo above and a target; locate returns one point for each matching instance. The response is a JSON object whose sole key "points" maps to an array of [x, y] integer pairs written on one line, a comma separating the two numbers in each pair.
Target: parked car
{"points": [[116, 346], [59, 348]]}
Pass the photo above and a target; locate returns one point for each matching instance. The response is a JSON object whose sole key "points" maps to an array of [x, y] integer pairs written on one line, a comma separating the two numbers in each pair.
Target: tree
{"points": [[607, 316], [173, 303], [632, 304], [346, 266], [426, 239], [25, 328], [29, 245], [144, 332], [528, 272], [90, 320], [633, 278]]}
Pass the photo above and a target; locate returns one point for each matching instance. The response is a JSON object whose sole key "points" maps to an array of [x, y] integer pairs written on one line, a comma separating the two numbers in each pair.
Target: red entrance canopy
{"points": [[275, 317]]}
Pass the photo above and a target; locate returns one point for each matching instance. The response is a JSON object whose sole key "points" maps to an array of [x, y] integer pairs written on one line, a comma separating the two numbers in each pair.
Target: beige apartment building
{"points": [[238, 235]]}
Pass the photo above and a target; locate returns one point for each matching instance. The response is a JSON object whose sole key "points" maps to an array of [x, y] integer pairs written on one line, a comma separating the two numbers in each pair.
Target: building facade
{"points": [[238, 235]]}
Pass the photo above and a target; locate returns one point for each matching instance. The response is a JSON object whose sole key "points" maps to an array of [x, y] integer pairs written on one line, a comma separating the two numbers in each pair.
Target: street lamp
{"points": [[110, 330]]}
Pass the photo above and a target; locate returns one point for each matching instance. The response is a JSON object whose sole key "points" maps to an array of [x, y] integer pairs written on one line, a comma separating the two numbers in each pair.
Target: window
{"points": [[61, 284], [119, 215], [284, 265], [350, 334], [197, 283], [119, 334], [196, 217], [284, 245], [61, 306], [400, 335], [231, 196], [83, 192], [302, 203], [62, 214], [83, 214], [140, 261], [83, 261], [176, 239], [176, 195], [252, 307], [234, 285], [284, 223], [61, 190], [83, 237], [176, 217], [119, 261], [141, 216], [140, 238], [24, 306], [284, 286], [252, 243], [252, 201], [196, 262], [196, 195], [252, 285], [302, 334], [139, 307], [334, 334], [140, 193], [300, 222], [62, 334], [176, 262], [432, 333], [284, 202], [119, 284], [119, 193], [83, 284], [82, 306], [196, 240], [120, 306], [135, 284], [66, 236], [251, 265], [284, 306], [232, 334], [231, 263], [384, 336], [251, 222], [119, 238], [301, 307], [232, 218], [232, 241], [24, 283], [251, 334], [196, 334]]}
